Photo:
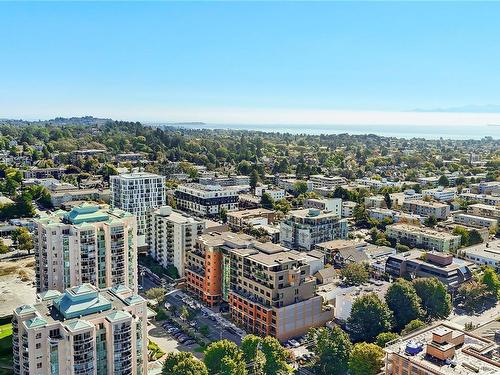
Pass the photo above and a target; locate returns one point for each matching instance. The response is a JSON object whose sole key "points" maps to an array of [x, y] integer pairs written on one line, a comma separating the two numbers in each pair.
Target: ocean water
{"points": [[399, 131]]}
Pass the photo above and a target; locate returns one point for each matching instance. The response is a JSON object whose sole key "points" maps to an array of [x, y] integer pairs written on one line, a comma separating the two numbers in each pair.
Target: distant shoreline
{"points": [[396, 131]]}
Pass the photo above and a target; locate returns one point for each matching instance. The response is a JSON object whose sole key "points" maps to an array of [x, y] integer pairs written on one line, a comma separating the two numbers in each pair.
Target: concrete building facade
{"points": [[82, 331], [170, 235], [89, 244]]}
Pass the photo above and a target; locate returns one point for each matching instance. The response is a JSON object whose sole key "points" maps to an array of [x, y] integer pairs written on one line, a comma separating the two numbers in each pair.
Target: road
{"points": [[476, 320]]}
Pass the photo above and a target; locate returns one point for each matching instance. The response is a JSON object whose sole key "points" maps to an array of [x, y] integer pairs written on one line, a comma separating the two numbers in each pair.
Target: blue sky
{"points": [[254, 62]]}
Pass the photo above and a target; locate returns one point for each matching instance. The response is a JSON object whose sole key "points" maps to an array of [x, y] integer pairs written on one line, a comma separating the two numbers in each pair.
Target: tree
{"points": [[254, 179], [369, 317], [223, 215], [283, 206], [158, 294], [473, 295], [412, 326], [387, 199], [267, 201], [385, 337], [402, 248], [360, 215], [404, 302], [474, 238], [231, 367], [366, 359], [443, 181], [217, 351], [354, 274], [430, 221], [23, 239], [330, 343], [300, 187], [3, 247], [183, 363], [276, 356], [435, 299], [265, 356], [490, 279], [463, 233]]}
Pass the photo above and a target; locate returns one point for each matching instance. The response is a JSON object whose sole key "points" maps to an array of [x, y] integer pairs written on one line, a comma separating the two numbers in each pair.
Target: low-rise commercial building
{"points": [[258, 216], [441, 349], [302, 229], [423, 208], [170, 235], [449, 270], [82, 331], [484, 254], [89, 244], [206, 200], [422, 237]]}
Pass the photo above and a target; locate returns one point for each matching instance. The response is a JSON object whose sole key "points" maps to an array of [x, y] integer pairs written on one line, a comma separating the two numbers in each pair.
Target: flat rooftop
{"points": [[422, 230], [488, 250], [462, 363]]}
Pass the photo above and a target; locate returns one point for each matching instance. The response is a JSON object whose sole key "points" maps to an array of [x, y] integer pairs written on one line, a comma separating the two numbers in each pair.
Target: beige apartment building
{"points": [[422, 237], [485, 210], [89, 244], [170, 235], [82, 331], [271, 292], [475, 221], [424, 208], [268, 287]]}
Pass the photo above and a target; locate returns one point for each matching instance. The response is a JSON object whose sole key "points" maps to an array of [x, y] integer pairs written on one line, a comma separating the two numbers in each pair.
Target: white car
{"points": [[294, 343]]}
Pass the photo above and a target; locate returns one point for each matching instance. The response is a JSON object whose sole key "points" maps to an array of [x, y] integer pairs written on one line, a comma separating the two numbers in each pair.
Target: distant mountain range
{"points": [[85, 120], [472, 108]]}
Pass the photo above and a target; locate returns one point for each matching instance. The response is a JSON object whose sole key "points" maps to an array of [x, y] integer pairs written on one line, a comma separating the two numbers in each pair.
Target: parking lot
{"points": [[218, 327]]}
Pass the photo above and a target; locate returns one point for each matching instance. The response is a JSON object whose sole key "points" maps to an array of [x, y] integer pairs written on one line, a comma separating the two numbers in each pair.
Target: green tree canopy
{"points": [[183, 363], [366, 359], [384, 337], [369, 317], [330, 343], [412, 326], [404, 302], [436, 301], [267, 201], [158, 294], [217, 351], [354, 274], [490, 279]]}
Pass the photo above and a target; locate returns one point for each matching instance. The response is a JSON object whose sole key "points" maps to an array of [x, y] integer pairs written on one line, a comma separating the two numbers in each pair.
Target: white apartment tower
{"points": [[137, 193], [82, 331], [170, 235], [89, 244]]}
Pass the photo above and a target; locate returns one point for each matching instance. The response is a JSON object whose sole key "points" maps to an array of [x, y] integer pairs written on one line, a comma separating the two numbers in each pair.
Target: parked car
{"points": [[294, 343]]}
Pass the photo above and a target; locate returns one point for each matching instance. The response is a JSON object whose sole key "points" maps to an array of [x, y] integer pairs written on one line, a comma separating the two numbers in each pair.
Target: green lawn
{"points": [[5, 348]]}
